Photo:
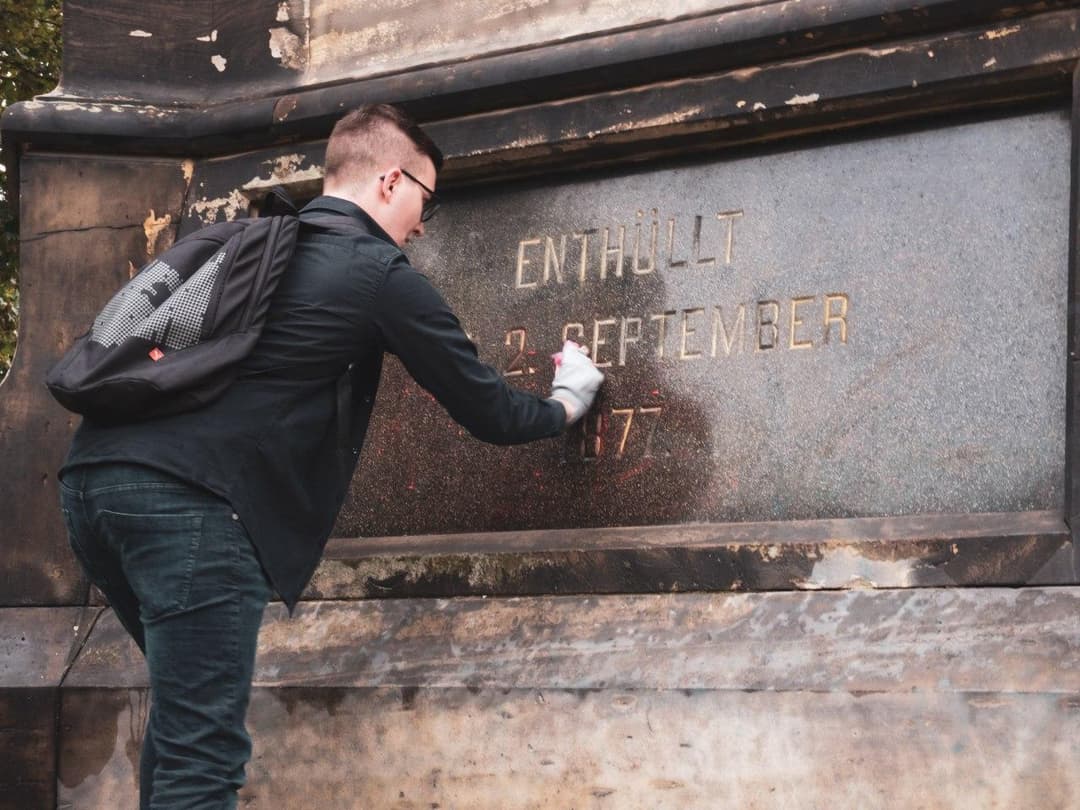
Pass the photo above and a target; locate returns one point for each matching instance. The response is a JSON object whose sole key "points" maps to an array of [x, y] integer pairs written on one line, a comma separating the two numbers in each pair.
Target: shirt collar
{"points": [[337, 205]]}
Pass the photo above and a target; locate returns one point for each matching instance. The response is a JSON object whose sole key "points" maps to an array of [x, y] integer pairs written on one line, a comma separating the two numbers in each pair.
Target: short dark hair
{"points": [[369, 135]]}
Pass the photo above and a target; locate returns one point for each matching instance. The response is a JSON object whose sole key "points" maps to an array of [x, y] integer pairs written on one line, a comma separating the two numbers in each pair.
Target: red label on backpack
{"points": [[156, 354]]}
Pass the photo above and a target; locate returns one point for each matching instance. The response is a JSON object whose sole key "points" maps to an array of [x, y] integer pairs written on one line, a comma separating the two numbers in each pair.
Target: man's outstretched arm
{"points": [[416, 324]]}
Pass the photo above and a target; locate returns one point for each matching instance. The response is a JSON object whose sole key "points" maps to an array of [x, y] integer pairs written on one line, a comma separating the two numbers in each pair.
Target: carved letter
{"points": [[671, 246], [652, 431], [697, 245], [519, 280], [599, 341], [654, 230], [796, 322], [684, 354], [768, 322], [592, 444], [629, 414], [840, 317], [584, 237], [517, 367], [617, 252], [624, 337], [730, 216], [550, 260], [662, 318], [720, 329]]}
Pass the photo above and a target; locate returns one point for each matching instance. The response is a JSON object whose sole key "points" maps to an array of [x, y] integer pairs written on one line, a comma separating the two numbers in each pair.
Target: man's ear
{"points": [[390, 179]]}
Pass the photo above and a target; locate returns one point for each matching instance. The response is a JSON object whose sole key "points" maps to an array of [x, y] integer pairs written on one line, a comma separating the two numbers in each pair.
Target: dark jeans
{"points": [[180, 572]]}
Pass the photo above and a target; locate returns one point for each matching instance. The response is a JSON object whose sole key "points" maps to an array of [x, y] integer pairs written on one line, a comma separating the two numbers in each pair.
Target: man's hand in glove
{"points": [[576, 380]]}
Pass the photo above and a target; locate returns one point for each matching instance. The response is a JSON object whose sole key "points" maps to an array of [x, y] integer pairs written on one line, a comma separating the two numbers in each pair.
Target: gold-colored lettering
{"points": [[608, 252], [517, 366], [796, 322], [671, 246], [840, 317], [551, 262], [629, 414], [519, 279], [654, 232], [599, 341], [730, 217], [592, 444], [684, 353], [662, 318], [624, 337], [697, 245], [768, 323], [652, 431], [594, 429], [584, 237], [720, 329]]}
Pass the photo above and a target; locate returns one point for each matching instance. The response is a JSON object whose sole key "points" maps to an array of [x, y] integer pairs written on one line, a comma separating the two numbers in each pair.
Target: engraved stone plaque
{"points": [[869, 327]]}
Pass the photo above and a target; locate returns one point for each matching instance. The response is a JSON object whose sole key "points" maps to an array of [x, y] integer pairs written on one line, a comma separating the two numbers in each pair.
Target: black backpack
{"points": [[171, 339]]}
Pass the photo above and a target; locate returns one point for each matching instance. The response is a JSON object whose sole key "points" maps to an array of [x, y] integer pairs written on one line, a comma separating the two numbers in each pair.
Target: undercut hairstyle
{"points": [[370, 137]]}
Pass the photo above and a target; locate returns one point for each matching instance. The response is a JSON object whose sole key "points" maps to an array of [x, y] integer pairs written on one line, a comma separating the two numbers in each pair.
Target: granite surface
{"points": [[863, 328]]}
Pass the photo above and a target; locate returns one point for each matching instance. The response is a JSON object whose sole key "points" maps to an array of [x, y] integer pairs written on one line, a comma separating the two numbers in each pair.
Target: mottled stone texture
{"points": [[874, 327], [885, 699], [527, 749], [833, 364], [85, 224], [36, 646], [1019, 548]]}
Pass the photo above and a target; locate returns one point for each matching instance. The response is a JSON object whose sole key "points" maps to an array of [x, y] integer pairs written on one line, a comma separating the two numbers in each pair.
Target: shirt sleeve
{"points": [[416, 324]]}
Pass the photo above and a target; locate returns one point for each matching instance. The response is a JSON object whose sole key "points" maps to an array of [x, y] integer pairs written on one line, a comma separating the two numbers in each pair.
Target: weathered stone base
{"points": [[931, 698], [493, 749]]}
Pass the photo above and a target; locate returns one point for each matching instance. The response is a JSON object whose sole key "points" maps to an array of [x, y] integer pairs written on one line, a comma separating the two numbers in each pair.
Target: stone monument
{"points": [[813, 546]]}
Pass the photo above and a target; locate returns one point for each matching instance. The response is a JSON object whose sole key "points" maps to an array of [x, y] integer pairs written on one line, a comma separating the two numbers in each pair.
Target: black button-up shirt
{"points": [[273, 444]]}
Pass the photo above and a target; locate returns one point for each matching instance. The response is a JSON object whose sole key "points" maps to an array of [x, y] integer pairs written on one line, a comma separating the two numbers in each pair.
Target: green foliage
{"points": [[30, 47]]}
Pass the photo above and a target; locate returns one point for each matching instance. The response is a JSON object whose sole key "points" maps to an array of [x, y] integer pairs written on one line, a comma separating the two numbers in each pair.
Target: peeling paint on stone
{"points": [[989, 63], [188, 168], [153, 112], [286, 47], [282, 12], [807, 99], [284, 165], [153, 226], [231, 206], [211, 37], [999, 33], [290, 178], [219, 62], [758, 106], [139, 33], [72, 106], [846, 568]]}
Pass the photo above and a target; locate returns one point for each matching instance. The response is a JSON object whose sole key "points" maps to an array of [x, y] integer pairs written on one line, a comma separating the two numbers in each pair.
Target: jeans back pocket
{"points": [[158, 554]]}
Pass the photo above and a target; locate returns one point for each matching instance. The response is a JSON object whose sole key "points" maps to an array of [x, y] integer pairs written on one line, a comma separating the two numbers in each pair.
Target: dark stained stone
{"points": [[865, 328]]}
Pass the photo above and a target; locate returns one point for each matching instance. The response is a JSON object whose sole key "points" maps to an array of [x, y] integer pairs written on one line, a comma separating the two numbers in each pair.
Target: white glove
{"points": [[576, 381]]}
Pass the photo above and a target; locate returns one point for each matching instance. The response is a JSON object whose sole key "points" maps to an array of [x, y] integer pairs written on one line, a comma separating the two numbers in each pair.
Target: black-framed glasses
{"points": [[431, 204]]}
